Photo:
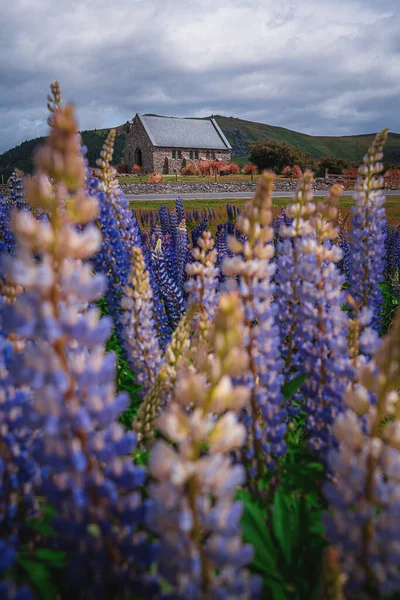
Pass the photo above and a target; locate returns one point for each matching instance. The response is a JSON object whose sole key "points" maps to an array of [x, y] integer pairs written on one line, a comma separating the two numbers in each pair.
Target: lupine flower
{"points": [[181, 250], [159, 396], [201, 554], [365, 488], [321, 326], [202, 284], [343, 242], [286, 275], [265, 413], [180, 213], [120, 236], [170, 292], [80, 447], [367, 237], [138, 328]]}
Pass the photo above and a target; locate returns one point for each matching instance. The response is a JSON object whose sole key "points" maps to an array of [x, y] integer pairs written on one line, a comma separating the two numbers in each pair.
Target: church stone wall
{"points": [[154, 158], [136, 137], [176, 164]]}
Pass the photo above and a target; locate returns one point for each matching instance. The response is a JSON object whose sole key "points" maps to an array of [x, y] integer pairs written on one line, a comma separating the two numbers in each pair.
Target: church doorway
{"points": [[166, 166], [138, 157]]}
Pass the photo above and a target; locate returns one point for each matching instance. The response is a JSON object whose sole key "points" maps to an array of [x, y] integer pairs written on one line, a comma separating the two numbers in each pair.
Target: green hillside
{"points": [[22, 156], [240, 134]]}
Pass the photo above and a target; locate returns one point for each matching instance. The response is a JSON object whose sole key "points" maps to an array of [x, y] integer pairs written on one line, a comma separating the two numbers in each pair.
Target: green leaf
{"points": [[281, 524], [292, 386], [40, 577], [54, 558], [256, 533]]}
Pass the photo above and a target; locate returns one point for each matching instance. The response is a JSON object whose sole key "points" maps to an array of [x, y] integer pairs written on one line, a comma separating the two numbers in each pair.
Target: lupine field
{"points": [[196, 412]]}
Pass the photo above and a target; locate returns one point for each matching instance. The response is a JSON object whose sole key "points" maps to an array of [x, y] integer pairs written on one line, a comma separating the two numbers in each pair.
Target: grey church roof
{"points": [[184, 133]]}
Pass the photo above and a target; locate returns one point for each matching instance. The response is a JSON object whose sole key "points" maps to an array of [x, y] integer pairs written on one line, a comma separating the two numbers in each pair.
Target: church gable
{"points": [[166, 144]]}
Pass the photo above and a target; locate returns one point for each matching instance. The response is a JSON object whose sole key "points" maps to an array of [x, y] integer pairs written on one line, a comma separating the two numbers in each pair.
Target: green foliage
{"points": [[287, 533], [334, 165], [389, 307], [22, 156], [274, 155]]}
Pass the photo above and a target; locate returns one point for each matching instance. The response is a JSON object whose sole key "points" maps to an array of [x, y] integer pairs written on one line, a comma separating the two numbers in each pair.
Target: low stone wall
{"points": [[189, 187]]}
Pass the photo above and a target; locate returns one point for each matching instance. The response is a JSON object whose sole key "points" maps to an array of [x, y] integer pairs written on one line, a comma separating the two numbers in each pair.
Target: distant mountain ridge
{"points": [[240, 134]]}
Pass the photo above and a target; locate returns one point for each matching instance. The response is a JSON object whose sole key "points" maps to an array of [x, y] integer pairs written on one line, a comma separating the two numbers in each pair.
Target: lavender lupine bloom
{"points": [[201, 553], [321, 325], [343, 242], [121, 235], [81, 449], [265, 414], [18, 470], [202, 285], [180, 213], [160, 394], [138, 328], [364, 523], [286, 276], [367, 237], [181, 251], [15, 200], [170, 292]]}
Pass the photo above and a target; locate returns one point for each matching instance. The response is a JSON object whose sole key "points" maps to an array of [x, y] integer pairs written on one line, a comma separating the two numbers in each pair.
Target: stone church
{"points": [[167, 144]]}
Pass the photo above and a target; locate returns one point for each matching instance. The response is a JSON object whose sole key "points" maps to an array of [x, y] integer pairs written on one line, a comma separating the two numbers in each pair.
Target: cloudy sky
{"points": [[318, 66]]}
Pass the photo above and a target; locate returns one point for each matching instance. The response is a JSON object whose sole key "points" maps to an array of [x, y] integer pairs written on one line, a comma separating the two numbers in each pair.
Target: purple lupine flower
{"points": [[180, 213], [121, 235], [170, 292], [202, 284], [181, 251], [321, 326], [251, 265], [80, 449], [367, 236], [138, 326], [193, 511], [364, 490]]}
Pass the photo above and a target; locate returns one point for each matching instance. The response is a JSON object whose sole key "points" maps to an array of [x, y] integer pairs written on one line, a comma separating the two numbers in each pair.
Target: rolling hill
{"points": [[240, 134]]}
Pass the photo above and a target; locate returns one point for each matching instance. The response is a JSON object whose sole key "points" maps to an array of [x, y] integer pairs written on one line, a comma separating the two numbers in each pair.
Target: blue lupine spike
{"points": [[71, 382], [180, 213], [367, 236], [164, 221], [170, 293]]}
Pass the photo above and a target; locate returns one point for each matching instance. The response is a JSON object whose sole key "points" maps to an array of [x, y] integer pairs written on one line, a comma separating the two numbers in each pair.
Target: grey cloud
{"points": [[317, 66]]}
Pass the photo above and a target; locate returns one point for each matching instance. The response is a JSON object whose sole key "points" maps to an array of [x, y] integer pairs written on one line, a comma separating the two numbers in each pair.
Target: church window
{"points": [[173, 153], [179, 153], [191, 155]]}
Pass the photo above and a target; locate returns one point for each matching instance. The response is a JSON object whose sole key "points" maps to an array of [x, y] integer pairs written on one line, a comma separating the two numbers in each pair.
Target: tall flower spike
{"points": [[202, 284], [181, 250], [170, 292], [94, 491], [321, 326], [365, 488], [138, 327], [367, 236], [294, 226], [159, 396], [265, 414], [201, 554], [120, 235]]}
